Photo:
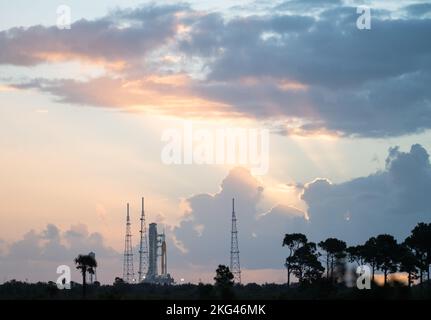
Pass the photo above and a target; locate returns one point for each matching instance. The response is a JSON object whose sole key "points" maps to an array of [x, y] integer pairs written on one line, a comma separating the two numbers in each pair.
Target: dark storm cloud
{"points": [[392, 201]]}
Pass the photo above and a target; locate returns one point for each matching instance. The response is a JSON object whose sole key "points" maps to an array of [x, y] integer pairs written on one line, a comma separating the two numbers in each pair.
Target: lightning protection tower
{"points": [[128, 273], [143, 247], [234, 250]]}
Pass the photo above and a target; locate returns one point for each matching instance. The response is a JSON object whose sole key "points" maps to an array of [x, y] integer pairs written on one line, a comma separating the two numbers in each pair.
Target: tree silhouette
{"points": [[85, 263], [293, 242], [369, 252], [224, 281], [305, 263], [420, 243], [335, 250], [381, 252], [387, 254], [408, 263], [356, 254], [118, 281], [224, 276]]}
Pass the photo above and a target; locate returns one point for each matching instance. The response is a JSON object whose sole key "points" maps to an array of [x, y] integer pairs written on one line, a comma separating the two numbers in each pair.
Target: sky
{"points": [[83, 112]]}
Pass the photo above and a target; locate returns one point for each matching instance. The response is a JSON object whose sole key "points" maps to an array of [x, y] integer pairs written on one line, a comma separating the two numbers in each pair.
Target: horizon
{"points": [[314, 115]]}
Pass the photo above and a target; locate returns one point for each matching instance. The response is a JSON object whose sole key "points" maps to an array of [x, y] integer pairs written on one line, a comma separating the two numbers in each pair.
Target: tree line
{"points": [[381, 253]]}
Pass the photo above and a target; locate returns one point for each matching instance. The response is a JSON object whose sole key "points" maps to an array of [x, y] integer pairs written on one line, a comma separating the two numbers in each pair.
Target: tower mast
{"points": [[234, 250], [143, 247], [128, 273]]}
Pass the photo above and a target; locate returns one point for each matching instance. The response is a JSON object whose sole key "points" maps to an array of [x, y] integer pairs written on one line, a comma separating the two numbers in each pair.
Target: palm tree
{"points": [[85, 263]]}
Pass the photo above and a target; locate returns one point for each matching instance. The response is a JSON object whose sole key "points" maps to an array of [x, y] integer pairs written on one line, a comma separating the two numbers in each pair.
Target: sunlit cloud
{"points": [[262, 67], [6, 88], [57, 57]]}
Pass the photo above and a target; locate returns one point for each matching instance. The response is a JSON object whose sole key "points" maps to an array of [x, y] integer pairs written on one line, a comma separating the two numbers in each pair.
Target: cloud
{"points": [[38, 254], [392, 201], [347, 77], [301, 5], [282, 209], [205, 231], [419, 9], [165, 94], [311, 72], [122, 36]]}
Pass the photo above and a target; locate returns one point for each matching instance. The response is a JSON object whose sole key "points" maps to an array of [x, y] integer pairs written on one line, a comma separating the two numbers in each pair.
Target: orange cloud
{"points": [[6, 88], [287, 85], [56, 56], [156, 94]]}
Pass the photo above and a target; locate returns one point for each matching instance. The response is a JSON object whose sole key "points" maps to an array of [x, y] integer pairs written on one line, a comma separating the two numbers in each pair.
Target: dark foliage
{"points": [[381, 253]]}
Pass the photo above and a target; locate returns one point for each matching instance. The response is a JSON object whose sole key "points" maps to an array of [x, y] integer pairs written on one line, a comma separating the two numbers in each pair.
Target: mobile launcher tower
{"points": [[156, 249]]}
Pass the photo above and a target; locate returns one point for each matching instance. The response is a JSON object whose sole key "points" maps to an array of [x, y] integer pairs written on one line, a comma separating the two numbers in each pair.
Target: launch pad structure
{"points": [[152, 252], [157, 249]]}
